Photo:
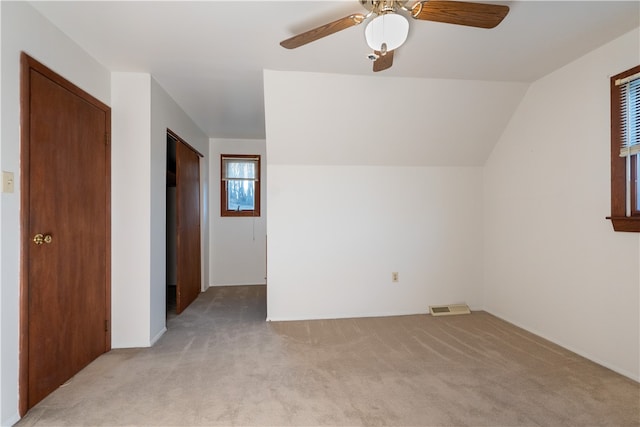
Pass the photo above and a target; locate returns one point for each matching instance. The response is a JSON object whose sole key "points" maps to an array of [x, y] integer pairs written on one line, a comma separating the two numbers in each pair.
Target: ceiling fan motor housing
{"points": [[383, 6]]}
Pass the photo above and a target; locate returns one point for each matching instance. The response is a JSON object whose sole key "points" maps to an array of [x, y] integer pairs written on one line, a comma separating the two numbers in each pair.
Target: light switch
{"points": [[7, 182]]}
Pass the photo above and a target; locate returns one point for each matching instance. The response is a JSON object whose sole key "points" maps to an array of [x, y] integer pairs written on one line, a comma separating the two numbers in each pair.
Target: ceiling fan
{"points": [[387, 26]]}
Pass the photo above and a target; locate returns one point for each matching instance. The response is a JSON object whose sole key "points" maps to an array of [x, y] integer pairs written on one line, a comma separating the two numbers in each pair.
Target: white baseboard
{"points": [[219, 285], [584, 354], [343, 316], [14, 418], [158, 336]]}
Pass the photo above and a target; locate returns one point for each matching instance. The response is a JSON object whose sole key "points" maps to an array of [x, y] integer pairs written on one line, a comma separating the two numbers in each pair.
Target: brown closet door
{"points": [[65, 306], [188, 219]]}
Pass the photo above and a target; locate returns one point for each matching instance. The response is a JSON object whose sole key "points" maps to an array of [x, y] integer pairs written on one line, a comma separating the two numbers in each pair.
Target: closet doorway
{"points": [[183, 224]]}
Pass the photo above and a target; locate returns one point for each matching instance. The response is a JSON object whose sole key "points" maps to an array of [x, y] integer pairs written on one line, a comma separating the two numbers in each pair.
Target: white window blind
{"points": [[240, 168], [629, 115]]}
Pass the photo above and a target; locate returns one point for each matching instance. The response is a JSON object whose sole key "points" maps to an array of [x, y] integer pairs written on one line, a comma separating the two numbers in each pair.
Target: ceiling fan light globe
{"points": [[391, 29]]}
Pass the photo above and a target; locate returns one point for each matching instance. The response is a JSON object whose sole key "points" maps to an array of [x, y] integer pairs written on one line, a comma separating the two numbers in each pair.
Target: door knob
{"points": [[40, 238]]}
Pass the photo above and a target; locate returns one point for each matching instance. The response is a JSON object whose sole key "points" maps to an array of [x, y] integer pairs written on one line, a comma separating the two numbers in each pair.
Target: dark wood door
{"points": [[188, 221], [66, 231]]}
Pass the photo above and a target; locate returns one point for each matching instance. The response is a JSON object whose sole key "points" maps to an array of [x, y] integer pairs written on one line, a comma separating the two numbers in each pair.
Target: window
{"points": [[625, 150], [239, 185]]}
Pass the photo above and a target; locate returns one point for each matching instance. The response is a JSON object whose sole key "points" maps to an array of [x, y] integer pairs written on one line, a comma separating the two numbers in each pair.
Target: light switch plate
{"points": [[7, 182]]}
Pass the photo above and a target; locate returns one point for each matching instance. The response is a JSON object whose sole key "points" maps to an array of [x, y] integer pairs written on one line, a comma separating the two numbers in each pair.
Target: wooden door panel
{"points": [[188, 220], [67, 280]]}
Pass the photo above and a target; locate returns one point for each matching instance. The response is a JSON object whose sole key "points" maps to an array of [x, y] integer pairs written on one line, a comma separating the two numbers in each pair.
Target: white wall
{"points": [[166, 114], [130, 201], [23, 29], [553, 264], [336, 233], [142, 113], [238, 244], [369, 176]]}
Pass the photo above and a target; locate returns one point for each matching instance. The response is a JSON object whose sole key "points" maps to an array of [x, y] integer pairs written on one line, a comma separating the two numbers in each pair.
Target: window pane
{"points": [[240, 195], [240, 169]]}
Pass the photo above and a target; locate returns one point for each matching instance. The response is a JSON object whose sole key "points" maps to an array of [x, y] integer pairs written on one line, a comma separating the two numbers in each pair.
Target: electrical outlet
{"points": [[394, 277]]}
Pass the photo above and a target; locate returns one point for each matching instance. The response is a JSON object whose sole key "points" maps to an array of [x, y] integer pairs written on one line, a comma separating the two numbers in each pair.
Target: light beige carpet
{"points": [[220, 363]]}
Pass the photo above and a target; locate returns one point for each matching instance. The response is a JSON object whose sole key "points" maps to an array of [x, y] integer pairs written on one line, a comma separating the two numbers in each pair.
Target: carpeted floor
{"points": [[220, 363]]}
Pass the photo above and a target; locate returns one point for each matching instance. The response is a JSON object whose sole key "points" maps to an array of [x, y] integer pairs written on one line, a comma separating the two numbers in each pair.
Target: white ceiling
{"points": [[210, 55]]}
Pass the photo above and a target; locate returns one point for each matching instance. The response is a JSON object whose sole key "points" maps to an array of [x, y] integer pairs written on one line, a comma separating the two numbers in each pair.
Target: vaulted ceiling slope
{"points": [[210, 55], [391, 122]]}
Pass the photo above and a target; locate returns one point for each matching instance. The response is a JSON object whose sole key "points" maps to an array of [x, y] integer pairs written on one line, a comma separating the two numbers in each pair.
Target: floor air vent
{"points": [[449, 310]]}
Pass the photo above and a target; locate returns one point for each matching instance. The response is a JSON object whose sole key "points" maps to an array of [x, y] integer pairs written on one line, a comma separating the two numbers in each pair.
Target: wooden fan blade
{"points": [[383, 62], [462, 13], [323, 31]]}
